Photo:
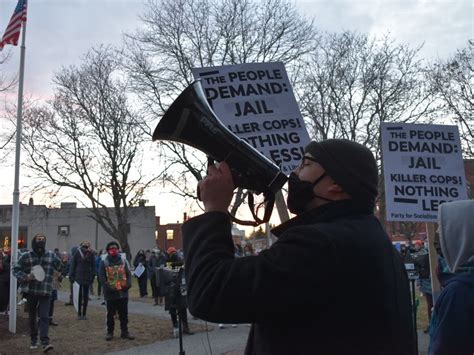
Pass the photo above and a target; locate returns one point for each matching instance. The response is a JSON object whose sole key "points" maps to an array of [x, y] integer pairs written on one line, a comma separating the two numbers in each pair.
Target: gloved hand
{"points": [[30, 277]]}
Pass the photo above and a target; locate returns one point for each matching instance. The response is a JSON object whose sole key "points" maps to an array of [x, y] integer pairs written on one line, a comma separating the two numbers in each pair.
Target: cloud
{"points": [[443, 26]]}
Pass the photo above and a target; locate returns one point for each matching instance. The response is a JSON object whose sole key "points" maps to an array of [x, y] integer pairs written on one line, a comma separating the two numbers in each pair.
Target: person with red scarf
{"points": [[116, 279]]}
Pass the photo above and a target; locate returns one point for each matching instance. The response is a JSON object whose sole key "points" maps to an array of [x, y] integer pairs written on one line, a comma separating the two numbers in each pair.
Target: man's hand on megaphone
{"points": [[217, 188]]}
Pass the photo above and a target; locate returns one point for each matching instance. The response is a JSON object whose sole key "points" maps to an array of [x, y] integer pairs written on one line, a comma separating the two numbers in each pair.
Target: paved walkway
{"points": [[227, 341]]}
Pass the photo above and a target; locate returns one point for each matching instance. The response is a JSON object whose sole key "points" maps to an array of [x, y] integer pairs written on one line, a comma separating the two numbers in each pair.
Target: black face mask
{"points": [[300, 193], [39, 246]]}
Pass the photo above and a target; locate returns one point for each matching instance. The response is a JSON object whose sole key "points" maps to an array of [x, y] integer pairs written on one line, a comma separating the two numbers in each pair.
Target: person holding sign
{"points": [[34, 270], [82, 271], [140, 264], [345, 289]]}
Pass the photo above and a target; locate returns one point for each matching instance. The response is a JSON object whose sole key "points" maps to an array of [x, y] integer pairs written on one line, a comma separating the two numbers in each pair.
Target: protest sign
{"points": [[423, 167], [255, 101], [139, 270], [75, 295]]}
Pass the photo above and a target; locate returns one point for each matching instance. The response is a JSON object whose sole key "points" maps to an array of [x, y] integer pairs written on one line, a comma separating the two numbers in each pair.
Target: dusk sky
{"points": [[59, 32]]}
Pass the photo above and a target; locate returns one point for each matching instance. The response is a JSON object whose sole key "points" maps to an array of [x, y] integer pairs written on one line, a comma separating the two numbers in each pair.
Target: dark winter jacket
{"points": [[4, 268], [82, 267], [111, 293], [452, 325], [292, 292], [141, 259], [154, 263]]}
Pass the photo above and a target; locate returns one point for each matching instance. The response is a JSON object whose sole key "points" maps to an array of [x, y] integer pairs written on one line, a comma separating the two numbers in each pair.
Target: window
{"points": [[169, 234], [63, 230]]}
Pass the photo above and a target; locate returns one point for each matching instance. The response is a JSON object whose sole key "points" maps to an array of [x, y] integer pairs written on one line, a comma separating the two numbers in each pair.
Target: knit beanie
{"points": [[350, 165], [111, 244]]}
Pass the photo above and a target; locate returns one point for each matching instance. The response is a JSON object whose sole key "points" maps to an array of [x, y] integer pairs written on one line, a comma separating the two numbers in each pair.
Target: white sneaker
{"points": [[221, 326], [175, 332]]}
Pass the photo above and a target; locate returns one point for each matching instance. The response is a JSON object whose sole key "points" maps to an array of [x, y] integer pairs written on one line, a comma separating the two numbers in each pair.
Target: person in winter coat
{"points": [[175, 301], [4, 279], [37, 292], [68, 268], [98, 259], [140, 259], [334, 236], [82, 271], [116, 280], [421, 260], [157, 260], [452, 323]]}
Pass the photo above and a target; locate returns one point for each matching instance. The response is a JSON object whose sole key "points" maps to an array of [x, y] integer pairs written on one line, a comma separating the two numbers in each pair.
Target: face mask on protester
{"points": [[300, 193], [113, 252], [39, 245]]}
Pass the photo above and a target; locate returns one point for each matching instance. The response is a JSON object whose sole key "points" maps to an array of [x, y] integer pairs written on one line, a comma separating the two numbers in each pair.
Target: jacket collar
{"points": [[321, 214]]}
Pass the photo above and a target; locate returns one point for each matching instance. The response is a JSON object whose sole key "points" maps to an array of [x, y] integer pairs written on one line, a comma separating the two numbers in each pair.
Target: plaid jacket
{"points": [[50, 263]]}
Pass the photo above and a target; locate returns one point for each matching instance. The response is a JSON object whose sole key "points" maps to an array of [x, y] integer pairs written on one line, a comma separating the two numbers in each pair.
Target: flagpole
{"points": [[16, 190]]}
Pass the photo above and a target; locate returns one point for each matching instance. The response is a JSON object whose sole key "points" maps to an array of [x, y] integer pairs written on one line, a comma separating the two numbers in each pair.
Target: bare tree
{"points": [[89, 139], [353, 82], [453, 82], [7, 83], [181, 34]]}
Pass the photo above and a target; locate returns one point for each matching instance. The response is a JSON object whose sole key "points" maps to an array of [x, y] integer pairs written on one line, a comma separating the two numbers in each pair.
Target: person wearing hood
{"points": [[116, 279], [82, 271], [38, 292], [334, 236], [452, 323]]}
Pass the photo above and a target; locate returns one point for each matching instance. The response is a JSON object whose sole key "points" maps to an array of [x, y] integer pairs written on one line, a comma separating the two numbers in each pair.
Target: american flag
{"points": [[12, 32]]}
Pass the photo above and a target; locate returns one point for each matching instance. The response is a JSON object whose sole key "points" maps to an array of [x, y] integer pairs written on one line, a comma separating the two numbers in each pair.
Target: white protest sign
{"points": [[256, 102], [140, 269], [423, 167]]}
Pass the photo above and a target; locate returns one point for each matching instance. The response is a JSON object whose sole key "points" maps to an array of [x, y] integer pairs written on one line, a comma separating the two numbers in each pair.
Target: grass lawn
{"points": [[74, 336], [421, 312]]}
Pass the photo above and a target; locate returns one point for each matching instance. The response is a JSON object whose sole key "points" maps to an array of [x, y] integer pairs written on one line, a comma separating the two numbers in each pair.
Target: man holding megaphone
{"points": [[332, 283]]}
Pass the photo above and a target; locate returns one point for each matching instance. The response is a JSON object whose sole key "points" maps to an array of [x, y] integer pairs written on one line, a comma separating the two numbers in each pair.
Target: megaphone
{"points": [[190, 120]]}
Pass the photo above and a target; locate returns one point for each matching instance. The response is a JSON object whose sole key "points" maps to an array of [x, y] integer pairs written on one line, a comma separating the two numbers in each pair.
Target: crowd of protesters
{"points": [[78, 269], [450, 327]]}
